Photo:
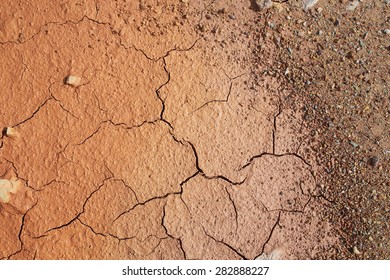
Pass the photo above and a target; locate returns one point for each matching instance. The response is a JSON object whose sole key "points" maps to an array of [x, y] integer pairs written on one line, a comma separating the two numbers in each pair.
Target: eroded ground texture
{"points": [[173, 144]]}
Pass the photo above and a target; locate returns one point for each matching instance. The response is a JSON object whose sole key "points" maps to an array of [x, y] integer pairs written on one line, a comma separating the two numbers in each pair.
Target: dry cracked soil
{"points": [[178, 129]]}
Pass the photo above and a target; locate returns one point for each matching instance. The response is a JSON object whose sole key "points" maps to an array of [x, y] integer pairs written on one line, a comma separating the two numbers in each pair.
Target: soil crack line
{"points": [[171, 236], [224, 243], [270, 235]]}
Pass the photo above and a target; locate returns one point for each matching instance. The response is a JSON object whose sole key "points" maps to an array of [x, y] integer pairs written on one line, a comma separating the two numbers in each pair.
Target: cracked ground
{"points": [[178, 143]]}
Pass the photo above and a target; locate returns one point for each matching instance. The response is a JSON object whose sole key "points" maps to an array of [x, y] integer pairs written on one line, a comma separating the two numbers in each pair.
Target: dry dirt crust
{"points": [[191, 129]]}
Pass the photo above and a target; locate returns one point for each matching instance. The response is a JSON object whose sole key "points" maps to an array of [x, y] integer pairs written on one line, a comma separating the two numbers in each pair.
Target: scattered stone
{"points": [[207, 16], [7, 187], [274, 255], [10, 132], [352, 5], [232, 16], [386, 31], [73, 81], [349, 55], [356, 251], [264, 4], [319, 10], [308, 4], [354, 144], [373, 161]]}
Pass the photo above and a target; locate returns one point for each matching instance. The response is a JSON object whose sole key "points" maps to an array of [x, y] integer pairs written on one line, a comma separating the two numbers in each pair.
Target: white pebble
{"points": [[264, 4], [308, 4], [73, 81], [356, 251], [11, 132], [276, 254], [7, 187], [352, 5]]}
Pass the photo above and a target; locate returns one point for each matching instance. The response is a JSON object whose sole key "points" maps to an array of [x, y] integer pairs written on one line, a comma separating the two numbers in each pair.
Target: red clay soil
{"points": [[160, 130]]}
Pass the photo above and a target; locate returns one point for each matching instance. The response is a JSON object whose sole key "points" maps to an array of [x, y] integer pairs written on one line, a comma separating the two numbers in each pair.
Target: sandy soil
{"points": [[179, 129]]}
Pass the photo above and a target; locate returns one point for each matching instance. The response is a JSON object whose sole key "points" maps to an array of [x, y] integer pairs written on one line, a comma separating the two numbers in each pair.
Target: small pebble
{"points": [[386, 31], [354, 144], [356, 251], [373, 161], [264, 4], [232, 16], [352, 5], [308, 4], [10, 132], [73, 81]]}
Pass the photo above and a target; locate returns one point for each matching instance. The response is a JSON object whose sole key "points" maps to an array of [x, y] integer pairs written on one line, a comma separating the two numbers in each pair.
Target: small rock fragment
{"points": [[264, 4], [373, 161], [10, 132], [352, 5], [308, 4], [356, 251], [73, 81], [354, 144], [274, 255], [6, 188], [386, 31]]}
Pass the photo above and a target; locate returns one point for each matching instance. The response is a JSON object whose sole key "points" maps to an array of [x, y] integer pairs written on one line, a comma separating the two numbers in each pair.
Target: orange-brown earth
{"points": [[186, 130]]}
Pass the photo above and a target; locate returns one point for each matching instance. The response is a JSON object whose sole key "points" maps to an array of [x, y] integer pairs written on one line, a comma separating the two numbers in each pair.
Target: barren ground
{"points": [[194, 130]]}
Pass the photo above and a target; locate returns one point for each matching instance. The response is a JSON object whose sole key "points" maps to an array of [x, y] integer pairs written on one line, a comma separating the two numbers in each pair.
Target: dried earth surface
{"points": [[178, 129]]}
